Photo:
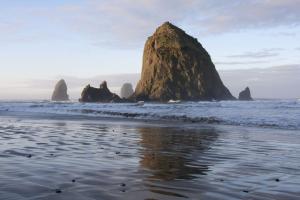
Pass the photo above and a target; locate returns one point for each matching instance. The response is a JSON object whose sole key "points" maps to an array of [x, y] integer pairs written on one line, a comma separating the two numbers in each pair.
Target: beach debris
{"points": [[58, 191], [118, 152]]}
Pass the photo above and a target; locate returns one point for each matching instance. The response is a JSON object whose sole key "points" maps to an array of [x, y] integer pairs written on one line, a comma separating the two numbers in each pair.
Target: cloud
{"points": [[240, 63], [131, 21], [265, 53]]}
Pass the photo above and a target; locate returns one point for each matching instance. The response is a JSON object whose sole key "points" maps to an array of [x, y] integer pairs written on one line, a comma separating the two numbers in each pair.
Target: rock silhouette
{"points": [[126, 90], [60, 91], [245, 95], [176, 66], [102, 94]]}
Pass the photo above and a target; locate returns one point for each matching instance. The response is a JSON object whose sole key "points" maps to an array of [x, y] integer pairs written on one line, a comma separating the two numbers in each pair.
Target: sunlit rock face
{"points": [[60, 92], [245, 95], [126, 90], [101, 94], [176, 66]]}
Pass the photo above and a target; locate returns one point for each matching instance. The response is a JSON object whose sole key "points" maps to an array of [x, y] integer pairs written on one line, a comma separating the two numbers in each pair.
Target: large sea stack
{"points": [[101, 94], [245, 95], [60, 92], [176, 66]]}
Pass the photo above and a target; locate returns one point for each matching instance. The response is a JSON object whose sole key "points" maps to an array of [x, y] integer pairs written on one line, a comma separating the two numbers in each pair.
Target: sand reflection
{"points": [[173, 154]]}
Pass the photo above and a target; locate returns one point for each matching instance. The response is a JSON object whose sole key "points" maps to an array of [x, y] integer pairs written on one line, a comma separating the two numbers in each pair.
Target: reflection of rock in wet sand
{"points": [[172, 154]]}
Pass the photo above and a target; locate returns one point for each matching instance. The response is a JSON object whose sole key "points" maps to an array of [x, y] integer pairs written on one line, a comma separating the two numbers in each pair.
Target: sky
{"points": [[49, 40]]}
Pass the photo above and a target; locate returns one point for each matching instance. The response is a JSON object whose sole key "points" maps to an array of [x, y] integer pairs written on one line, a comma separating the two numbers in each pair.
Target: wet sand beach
{"points": [[50, 157]]}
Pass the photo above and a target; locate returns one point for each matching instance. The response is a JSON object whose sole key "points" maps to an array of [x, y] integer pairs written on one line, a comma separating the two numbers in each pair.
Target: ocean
{"points": [[190, 150], [282, 114]]}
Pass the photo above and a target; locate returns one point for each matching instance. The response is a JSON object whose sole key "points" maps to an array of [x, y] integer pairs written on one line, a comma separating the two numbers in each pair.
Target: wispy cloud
{"points": [[240, 63], [127, 21], [265, 53]]}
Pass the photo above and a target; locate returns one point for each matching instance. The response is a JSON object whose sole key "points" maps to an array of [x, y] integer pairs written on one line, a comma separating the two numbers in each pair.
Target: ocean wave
{"points": [[284, 114]]}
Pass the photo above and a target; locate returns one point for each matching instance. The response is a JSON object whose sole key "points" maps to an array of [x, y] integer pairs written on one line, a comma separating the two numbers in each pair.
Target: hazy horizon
{"points": [[261, 82]]}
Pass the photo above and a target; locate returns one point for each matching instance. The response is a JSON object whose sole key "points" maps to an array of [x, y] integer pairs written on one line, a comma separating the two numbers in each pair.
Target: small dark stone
{"points": [[123, 190], [73, 180], [277, 180], [29, 156], [123, 184], [118, 152], [58, 191], [124, 133], [51, 154], [246, 191], [221, 180]]}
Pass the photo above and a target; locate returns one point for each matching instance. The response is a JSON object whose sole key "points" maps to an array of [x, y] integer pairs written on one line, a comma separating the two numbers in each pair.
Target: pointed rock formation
{"points": [[102, 94], [126, 90], [176, 66], [60, 91], [245, 95]]}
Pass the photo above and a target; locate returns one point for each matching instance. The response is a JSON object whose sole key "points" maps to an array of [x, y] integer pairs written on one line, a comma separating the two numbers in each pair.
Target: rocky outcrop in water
{"points": [[101, 94], [245, 95], [176, 66], [60, 92], [126, 90]]}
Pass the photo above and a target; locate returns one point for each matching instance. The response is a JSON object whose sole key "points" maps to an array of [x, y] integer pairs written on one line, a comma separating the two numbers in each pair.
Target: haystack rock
{"points": [[60, 92], [177, 67], [126, 90], [245, 95], [102, 94]]}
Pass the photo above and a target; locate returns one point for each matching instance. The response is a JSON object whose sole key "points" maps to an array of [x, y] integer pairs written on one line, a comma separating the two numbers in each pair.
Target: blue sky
{"points": [[85, 38]]}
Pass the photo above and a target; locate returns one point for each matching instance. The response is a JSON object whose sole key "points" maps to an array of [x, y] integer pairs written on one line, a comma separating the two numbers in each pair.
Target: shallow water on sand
{"points": [[50, 158]]}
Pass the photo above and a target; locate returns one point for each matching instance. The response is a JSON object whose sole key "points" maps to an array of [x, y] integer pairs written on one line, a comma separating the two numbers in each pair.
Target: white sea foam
{"points": [[283, 114]]}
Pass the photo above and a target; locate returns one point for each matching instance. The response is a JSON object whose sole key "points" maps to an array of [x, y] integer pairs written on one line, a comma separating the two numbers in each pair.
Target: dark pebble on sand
{"points": [[123, 190], [277, 180], [118, 152], [73, 180], [221, 180], [246, 191], [123, 184], [124, 133], [58, 191], [29, 156]]}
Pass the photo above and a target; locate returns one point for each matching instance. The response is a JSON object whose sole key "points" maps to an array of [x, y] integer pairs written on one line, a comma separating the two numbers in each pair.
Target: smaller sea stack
{"points": [[245, 95], [101, 94], [126, 90], [60, 91]]}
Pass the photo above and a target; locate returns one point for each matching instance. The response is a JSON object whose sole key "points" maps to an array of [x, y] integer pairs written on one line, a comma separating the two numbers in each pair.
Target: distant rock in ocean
{"points": [[60, 92], [177, 67], [126, 90], [245, 95], [102, 94]]}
